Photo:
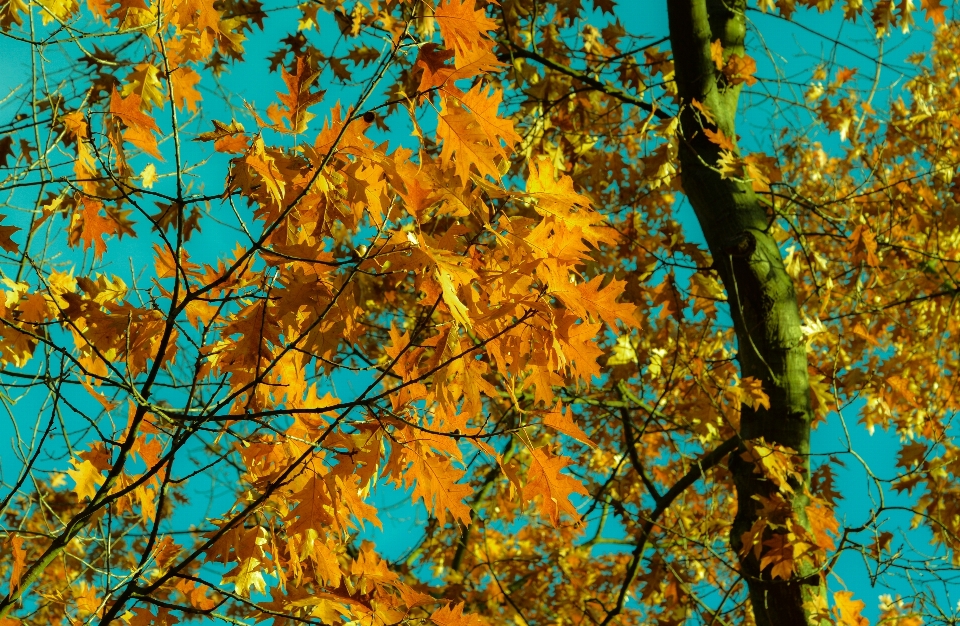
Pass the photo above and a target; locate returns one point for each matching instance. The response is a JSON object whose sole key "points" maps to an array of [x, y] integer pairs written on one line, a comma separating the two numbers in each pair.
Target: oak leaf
{"points": [[293, 117], [263, 162], [863, 242], [452, 615], [484, 106], [549, 487], [667, 294], [934, 10], [144, 83], [148, 176], [779, 554], [226, 137], [562, 421], [435, 481], [465, 143], [95, 227], [716, 53], [183, 81], [602, 302], [718, 138], [753, 393], [823, 524], [437, 73], [6, 150], [880, 544], [87, 472], [140, 126], [740, 68], [463, 28], [579, 347], [200, 14], [5, 242], [15, 546], [848, 610]]}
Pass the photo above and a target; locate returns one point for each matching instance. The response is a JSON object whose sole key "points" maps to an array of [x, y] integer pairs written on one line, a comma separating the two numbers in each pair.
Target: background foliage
{"points": [[446, 251]]}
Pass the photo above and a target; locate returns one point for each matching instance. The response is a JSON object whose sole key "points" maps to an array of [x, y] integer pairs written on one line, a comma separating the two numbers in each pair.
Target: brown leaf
{"points": [[5, 242]]}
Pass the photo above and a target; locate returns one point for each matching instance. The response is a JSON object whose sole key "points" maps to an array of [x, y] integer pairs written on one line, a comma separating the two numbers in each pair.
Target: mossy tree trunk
{"points": [[761, 295]]}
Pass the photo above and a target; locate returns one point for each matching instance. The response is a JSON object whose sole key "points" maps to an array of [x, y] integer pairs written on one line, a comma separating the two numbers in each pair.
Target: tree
{"points": [[503, 318]]}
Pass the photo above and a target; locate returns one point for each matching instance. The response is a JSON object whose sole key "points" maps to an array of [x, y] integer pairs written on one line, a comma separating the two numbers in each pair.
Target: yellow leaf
{"points": [[458, 309], [265, 165], [144, 81], [148, 176], [847, 610]]}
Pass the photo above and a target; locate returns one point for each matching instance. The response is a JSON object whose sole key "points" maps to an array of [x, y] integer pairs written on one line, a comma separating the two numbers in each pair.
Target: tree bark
{"points": [[763, 302]]}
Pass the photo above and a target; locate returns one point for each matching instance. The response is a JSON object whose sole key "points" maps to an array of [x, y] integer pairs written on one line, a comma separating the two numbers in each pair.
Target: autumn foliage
{"points": [[441, 253]]}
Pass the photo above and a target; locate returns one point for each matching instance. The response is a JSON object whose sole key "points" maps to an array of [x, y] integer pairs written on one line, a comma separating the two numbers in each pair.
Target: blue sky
{"points": [[794, 50]]}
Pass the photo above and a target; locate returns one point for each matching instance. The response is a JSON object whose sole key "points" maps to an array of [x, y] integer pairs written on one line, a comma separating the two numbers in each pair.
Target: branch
{"points": [[610, 90], [704, 463]]}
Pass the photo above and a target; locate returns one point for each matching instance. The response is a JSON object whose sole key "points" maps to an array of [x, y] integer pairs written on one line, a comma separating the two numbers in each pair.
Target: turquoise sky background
{"points": [[793, 48]]}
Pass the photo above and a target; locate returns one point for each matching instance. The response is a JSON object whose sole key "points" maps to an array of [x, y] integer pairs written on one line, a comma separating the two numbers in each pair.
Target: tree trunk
{"points": [[762, 299]]}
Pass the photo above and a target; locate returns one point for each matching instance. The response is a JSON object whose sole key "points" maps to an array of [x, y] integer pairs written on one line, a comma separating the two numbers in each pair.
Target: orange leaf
{"points": [[452, 615], [753, 393], [589, 298], [463, 28], [667, 294], [864, 243], [579, 342], [435, 482], [200, 14], [265, 165], [935, 11], [716, 53], [466, 143], [15, 545], [432, 60], [184, 81], [554, 489], [293, 117], [484, 107], [436, 73], [95, 227], [603, 303], [140, 126], [226, 137], [902, 387], [847, 610], [563, 422], [762, 170], [823, 523], [779, 556], [717, 137], [740, 69]]}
